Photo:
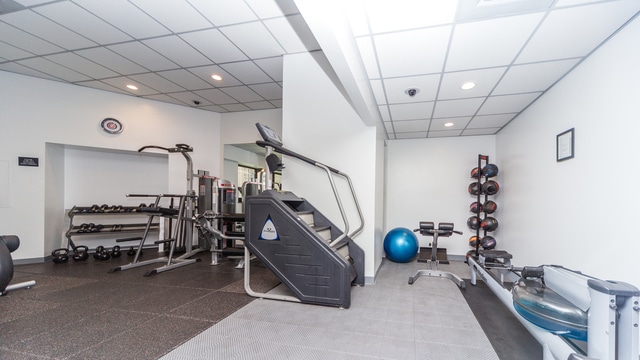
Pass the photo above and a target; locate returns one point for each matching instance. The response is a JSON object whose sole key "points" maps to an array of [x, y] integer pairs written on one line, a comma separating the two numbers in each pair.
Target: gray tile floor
{"points": [[389, 320]]}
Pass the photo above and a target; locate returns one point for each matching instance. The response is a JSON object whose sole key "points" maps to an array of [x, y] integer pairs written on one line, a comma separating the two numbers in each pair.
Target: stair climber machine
{"points": [[314, 258]]}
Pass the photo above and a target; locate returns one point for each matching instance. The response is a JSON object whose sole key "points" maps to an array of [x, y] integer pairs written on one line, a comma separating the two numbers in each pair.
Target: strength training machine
{"points": [[573, 316], [310, 255], [183, 232], [444, 229]]}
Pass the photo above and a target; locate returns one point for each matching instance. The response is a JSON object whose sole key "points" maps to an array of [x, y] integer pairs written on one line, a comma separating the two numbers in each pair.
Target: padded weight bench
{"points": [[9, 244], [445, 230]]}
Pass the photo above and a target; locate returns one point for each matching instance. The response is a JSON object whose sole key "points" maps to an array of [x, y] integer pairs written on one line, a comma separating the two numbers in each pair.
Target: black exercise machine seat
{"points": [[9, 244]]}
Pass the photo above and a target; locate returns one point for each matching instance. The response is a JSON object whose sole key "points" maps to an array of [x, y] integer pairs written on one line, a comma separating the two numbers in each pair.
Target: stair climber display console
{"points": [[314, 258]]}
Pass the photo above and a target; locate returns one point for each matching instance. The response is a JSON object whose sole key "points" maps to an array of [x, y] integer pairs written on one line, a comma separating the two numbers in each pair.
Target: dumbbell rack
{"points": [[483, 160], [77, 229]]}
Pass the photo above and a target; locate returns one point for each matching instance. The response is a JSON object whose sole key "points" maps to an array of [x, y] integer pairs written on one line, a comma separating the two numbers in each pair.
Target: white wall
{"points": [[427, 180], [240, 128], [581, 213], [319, 123], [35, 112]]}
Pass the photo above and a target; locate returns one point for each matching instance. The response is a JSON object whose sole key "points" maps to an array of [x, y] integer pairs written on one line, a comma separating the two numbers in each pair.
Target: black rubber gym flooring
{"points": [[79, 311], [508, 337]]}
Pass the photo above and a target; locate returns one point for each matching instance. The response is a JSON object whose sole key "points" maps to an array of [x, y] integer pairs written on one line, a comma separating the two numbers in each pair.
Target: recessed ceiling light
{"points": [[449, 124], [216, 77], [132, 87], [468, 85]]}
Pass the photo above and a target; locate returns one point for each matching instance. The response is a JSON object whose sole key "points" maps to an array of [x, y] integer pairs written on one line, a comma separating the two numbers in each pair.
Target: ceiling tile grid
{"points": [[168, 49], [513, 51]]}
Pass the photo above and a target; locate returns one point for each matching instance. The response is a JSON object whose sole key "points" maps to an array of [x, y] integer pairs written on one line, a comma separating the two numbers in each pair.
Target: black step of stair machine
{"points": [[282, 231]]}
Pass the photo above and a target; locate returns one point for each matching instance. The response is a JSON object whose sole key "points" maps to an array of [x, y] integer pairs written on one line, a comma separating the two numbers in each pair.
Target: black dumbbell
{"points": [[60, 256]]}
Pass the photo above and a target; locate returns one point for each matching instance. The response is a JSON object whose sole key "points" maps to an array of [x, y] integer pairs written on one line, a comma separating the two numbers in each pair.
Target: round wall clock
{"points": [[111, 125]]}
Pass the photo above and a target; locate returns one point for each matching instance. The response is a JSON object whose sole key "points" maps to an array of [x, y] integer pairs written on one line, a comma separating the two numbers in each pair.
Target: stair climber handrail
{"points": [[284, 151]]}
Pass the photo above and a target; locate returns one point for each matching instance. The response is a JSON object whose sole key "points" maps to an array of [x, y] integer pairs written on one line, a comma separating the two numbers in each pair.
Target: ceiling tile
{"points": [[143, 56], [384, 112], [111, 60], [490, 43], [11, 52], [126, 17], [185, 79], [205, 73], [166, 98], [269, 91], [368, 55], [242, 93], [485, 81], [177, 50], [49, 67], [122, 82], [253, 39], [276, 103], [456, 108], [82, 22], [235, 107], [533, 77], [555, 40], [214, 45], [292, 33], [166, 13], [81, 65], [216, 96], [214, 108], [412, 52], [490, 121], [412, 111], [387, 16], [507, 103], [357, 17], [270, 9], [272, 66], [459, 123], [411, 135], [20, 69], [444, 133], [395, 88], [487, 131], [156, 82], [189, 97], [26, 41], [247, 72], [411, 125], [224, 12], [46, 29], [259, 105], [378, 91], [96, 84]]}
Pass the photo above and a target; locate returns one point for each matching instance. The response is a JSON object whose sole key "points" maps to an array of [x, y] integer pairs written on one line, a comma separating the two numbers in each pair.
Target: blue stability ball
{"points": [[401, 245]]}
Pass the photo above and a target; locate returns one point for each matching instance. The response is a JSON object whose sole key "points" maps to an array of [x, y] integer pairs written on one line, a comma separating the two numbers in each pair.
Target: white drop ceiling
{"points": [[514, 51]]}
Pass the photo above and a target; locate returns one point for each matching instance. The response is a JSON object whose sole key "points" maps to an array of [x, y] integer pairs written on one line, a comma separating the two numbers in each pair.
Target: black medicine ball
{"points": [[489, 206], [488, 243], [490, 187], [475, 173], [490, 170], [489, 224], [473, 222], [475, 207], [474, 189]]}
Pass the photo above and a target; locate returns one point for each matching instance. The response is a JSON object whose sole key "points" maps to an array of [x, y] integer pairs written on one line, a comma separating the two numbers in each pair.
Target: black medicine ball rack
{"points": [[482, 188]]}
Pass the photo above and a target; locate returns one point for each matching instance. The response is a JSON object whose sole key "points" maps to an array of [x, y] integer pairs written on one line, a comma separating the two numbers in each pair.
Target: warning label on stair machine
{"points": [[269, 231]]}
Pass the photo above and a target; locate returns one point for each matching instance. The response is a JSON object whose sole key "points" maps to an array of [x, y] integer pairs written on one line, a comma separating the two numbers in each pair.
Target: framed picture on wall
{"points": [[565, 145]]}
